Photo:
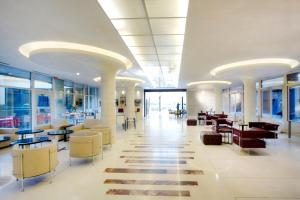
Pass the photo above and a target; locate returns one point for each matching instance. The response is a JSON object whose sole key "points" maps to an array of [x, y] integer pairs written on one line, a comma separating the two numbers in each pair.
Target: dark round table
{"points": [[29, 141], [64, 127], [23, 133], [61, 132]]}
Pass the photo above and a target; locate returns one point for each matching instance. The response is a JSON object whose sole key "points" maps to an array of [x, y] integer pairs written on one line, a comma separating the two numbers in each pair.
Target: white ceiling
{"points": [[56, 20], [222, 32], [217, 32]]}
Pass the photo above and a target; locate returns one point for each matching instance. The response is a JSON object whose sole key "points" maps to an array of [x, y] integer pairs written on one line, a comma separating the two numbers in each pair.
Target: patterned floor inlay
{"points": [[147, 144], [154, 166], [179, 144], [159, 147], [158, 151], [152, 171], [150, 182], [159, 157], [157, 161], [173, 193]]}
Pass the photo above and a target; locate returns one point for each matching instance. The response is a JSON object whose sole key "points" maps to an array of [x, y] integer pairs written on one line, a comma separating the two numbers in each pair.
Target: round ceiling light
{"points": [[208, 82], [28, 48], [285, 61]]}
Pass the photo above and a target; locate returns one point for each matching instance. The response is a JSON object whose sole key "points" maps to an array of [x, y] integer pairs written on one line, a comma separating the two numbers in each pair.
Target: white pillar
{"points": [[218, 100], [130, 97], [259, 100], [108, 110], [249, 100], [285, 104]]}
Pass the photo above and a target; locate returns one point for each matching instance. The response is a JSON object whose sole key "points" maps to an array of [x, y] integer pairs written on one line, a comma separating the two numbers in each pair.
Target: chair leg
{"points": [[51, 176], [22, 185]]}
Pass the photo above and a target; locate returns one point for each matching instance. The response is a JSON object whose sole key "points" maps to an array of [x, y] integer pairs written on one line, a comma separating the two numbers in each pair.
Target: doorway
{"points": [[165, 102]]}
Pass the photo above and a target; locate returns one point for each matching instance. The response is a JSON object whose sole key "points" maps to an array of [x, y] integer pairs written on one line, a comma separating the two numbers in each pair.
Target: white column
{"points": [[130, 97], [249, 100], [259, 102], [218, 100], [285, 105], [108, 110]]}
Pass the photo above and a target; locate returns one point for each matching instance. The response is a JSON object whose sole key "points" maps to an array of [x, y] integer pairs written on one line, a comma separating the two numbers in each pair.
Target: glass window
{"points": [[42, 85], [294, 103], [277, 103], [266, 101], [42, 81], [79, 91], [11, 81], [225, 98], [272, 82], [15, 108]]}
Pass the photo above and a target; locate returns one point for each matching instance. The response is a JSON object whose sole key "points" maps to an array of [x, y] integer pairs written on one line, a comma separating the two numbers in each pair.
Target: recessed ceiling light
{"points": [[209, 82], [290, 62], [28, 48], [77, 73]]}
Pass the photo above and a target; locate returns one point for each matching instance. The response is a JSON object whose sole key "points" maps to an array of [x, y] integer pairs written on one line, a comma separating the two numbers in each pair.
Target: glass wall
{"points": [[266, 110], [28, 99], [272, 97], [15, 98], [294, 102], [15, 108], [277, 103], [236, 97]]}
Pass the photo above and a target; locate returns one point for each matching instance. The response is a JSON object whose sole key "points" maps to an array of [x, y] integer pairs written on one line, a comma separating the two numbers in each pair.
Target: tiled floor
{"points": [[164, 159]]}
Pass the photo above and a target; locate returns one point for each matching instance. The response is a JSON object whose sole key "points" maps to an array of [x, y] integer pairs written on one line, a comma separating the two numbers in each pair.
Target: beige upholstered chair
{"points": [[95, 125], [56, 124], [31, 162], [10, 133], [85, 144]]}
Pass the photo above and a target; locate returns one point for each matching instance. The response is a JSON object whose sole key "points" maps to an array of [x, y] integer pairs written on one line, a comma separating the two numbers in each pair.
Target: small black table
{"points": [[4, 138], [23, 133], [29, 141], [61, 132], [243, 125], [64, 127]]}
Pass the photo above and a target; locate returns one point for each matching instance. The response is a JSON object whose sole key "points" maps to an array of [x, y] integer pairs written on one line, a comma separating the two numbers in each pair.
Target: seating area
{"points": [[149, 99]]}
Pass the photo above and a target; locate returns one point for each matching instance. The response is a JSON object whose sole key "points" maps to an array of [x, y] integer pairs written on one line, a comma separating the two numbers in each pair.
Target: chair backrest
{"points": [[85, 144], [34, 161], [57, 123], [8, 130], [90, 123]]}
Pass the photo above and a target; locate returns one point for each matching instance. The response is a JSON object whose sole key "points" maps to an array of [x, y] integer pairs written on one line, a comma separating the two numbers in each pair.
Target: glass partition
{"points": [[294, 103], [266, 108], [15, 108], [277, 103]]}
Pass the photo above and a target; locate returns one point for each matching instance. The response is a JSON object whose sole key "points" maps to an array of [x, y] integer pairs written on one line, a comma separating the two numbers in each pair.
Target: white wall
{"points": [[200, 99]]}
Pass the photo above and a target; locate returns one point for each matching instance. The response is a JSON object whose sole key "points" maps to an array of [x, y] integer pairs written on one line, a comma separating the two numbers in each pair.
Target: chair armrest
{"points": [[76, 127], [43, 127]]}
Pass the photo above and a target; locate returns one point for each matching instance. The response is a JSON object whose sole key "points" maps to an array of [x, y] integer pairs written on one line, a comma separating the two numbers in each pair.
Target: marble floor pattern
{"points": [[165, 159]]}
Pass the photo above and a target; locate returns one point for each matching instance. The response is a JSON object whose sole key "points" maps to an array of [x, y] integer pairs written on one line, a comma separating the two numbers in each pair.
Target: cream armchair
{"points": [[56, 124], [85, 144], [31, 162], [10, 134], [95, 125]]}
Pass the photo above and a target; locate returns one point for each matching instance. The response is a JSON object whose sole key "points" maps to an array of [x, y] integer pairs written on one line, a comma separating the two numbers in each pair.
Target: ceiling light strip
{"points": [[290, 62]]}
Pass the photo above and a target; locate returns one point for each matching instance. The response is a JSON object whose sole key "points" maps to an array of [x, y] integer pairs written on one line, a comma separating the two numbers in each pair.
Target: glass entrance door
{"points": [[42, 106]]}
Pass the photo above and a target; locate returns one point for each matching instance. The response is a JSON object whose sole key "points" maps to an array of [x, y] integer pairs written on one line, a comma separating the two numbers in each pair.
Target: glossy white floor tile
{"points": [[228, 173]]}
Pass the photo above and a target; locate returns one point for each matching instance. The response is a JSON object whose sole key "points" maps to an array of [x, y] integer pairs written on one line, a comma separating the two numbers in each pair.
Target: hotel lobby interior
{"points": [[150, 99]]}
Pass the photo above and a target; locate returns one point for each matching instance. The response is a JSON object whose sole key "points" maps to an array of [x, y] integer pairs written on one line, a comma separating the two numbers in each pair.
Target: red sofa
{"points": [[252, 138], [269, 127]]}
